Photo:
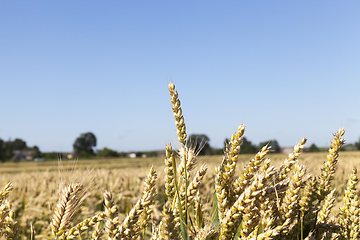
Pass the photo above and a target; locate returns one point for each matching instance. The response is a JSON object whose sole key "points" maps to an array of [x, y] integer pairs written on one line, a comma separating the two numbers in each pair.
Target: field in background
{"points": [[313, 161]]}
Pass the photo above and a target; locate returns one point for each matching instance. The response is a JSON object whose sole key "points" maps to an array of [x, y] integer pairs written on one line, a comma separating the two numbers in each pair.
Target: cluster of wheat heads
{"points": [[261, 202]]}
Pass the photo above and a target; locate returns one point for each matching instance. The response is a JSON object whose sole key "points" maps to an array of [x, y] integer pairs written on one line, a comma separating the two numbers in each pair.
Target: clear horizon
{"points": [[287, 70]]}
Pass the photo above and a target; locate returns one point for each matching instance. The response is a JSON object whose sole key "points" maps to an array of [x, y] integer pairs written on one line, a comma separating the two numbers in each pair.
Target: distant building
{"points": [[133, 154], [291, 149], [65, 155], [160, 153], [286, 149], [23, 155]]}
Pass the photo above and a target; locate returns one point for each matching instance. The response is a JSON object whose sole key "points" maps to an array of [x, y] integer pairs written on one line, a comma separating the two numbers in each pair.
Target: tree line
{"points": [[247, 147], [7, 149], [201, 143], [84, 146]]}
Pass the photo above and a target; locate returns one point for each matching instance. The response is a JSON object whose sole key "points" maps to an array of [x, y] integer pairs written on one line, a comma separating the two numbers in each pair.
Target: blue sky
{"points": [[286, 69]]}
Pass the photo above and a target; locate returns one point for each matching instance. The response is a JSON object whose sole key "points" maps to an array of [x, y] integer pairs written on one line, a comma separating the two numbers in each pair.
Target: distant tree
{"points": [[275, 147], [18, 144], [83, 145], [37, 153], [149, 154], [217, 151], [313, 148], [348, 147], [106, 152], [247, 146], [226, 143], [2, 151], [8, 148], [357, 145], [50, 155], [200, 142]]}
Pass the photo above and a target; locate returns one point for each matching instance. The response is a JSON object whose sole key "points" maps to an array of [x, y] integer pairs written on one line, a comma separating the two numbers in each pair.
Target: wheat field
{"points": [[185, 196]]}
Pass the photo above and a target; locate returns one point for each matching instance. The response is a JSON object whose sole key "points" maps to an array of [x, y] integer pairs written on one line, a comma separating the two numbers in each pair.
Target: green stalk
{"points": [[302, 226], [183, 229], [143, 234], [186, 188], [215, 221], [199, 216], [238, 232]]}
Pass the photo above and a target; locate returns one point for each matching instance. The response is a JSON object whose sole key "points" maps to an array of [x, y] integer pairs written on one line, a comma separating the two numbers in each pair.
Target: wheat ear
{"points": [[188, 159], [96, 235], [252, 216], [232, 155], [131, 226], [7, 189], [328, 171], [350, 193], [169, 173], [207, 232], [188, 193], [290, 202], [248, 172], [269, 234], [4, 212], [69, 200], [149, 193], [112, 222], [167, 228], [82, 226], [308, 196], [195, 183], [251, 194], [179, 118], [10, 223], [354, 211], [326, 208], [225, 172]]}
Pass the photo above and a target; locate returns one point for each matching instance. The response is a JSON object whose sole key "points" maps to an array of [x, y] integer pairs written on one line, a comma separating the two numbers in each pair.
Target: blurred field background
{"points": [[37, 184]]}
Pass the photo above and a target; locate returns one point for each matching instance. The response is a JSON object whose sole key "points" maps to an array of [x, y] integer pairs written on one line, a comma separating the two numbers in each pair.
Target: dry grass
{"points": [[263, 196]]}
